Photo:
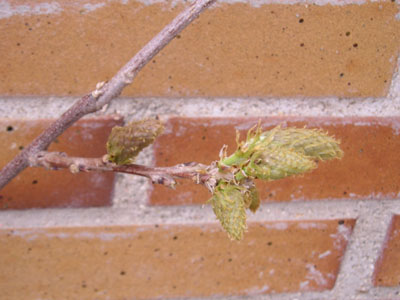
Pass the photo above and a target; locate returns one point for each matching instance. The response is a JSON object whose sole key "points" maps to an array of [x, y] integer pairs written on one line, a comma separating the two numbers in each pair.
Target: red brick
{"points": [[387, 270], [36, 187], [369, 168], [142, 262], [231, 50]]}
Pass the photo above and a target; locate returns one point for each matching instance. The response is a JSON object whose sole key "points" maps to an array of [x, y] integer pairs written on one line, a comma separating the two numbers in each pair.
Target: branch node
{"points": [[164, 180], [128, 77], [188, 164], [105, 159], [98, 91], [74, 169], [96, 94], [99, 85]]}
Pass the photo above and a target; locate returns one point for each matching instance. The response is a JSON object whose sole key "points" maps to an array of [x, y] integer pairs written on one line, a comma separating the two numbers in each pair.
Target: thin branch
{"points": [[104, 93], [198, 173]]}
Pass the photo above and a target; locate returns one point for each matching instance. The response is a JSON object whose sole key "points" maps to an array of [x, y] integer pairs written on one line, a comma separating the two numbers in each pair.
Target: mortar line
{"points": [[363, 251], [9, 10], [51, 107], [187, 215]]}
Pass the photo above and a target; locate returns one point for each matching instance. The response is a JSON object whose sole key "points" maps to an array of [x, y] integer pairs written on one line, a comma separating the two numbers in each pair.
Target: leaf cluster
{"points": [[266, 155]]}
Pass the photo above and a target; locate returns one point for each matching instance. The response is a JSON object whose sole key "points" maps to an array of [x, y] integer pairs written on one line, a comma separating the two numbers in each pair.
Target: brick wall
{"points": [[330, 234]]}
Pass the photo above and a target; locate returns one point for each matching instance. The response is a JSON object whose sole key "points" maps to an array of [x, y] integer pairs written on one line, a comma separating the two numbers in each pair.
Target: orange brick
{"points": [[142, 262], [387, 270], [36, 187], [231, 50], [369, 168]]}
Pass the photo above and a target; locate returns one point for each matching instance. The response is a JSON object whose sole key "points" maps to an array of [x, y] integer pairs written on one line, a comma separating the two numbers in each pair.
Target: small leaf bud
{"points": [[74, 169], [252, 199], [228, 203], [125, 143]]}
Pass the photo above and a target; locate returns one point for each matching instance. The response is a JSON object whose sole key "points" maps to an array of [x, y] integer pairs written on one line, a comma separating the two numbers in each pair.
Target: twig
{"points": [[104, 92], [199, 173]]}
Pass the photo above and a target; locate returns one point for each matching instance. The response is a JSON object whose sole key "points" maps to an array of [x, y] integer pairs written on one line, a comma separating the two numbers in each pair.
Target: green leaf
{"points": [[228, 203], [310, 142], [279, 153], [268, 155], [277, 163]]}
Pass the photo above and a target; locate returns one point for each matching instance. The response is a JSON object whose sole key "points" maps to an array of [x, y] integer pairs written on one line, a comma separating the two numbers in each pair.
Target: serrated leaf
{"points": [[125, 143], [277, 163], [279, 153], [310, 142], [229, 206]]}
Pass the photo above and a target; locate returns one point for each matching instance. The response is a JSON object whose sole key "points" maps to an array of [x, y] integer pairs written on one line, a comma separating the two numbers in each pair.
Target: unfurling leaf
{"points": [[268, 155], [125, 143], [279, 153], [277, 163], [228, 203], [310, 142]]}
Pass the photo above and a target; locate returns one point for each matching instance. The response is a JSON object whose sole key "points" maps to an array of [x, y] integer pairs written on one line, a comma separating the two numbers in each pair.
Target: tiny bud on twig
{"points": [[98, 91], [74, 169], [128, 78], [125, 143]]}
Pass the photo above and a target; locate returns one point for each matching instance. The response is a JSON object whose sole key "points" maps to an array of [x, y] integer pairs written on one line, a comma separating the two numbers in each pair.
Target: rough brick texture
{"points": [[387, 272], [170, 261], [37, 187], [251, 54], [369, 168], [232, 50]]}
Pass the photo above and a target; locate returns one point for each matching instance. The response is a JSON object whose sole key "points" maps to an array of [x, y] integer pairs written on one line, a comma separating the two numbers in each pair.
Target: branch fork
{"points": [[104, 92]]}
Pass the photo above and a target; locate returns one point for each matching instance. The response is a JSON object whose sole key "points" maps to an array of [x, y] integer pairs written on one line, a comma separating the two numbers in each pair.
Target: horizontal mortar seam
{"points": [[134, 108], [188, 215]]}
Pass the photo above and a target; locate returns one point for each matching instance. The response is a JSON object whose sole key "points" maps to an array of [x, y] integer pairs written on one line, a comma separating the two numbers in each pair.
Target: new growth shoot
{"points": [[266, 155]]}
